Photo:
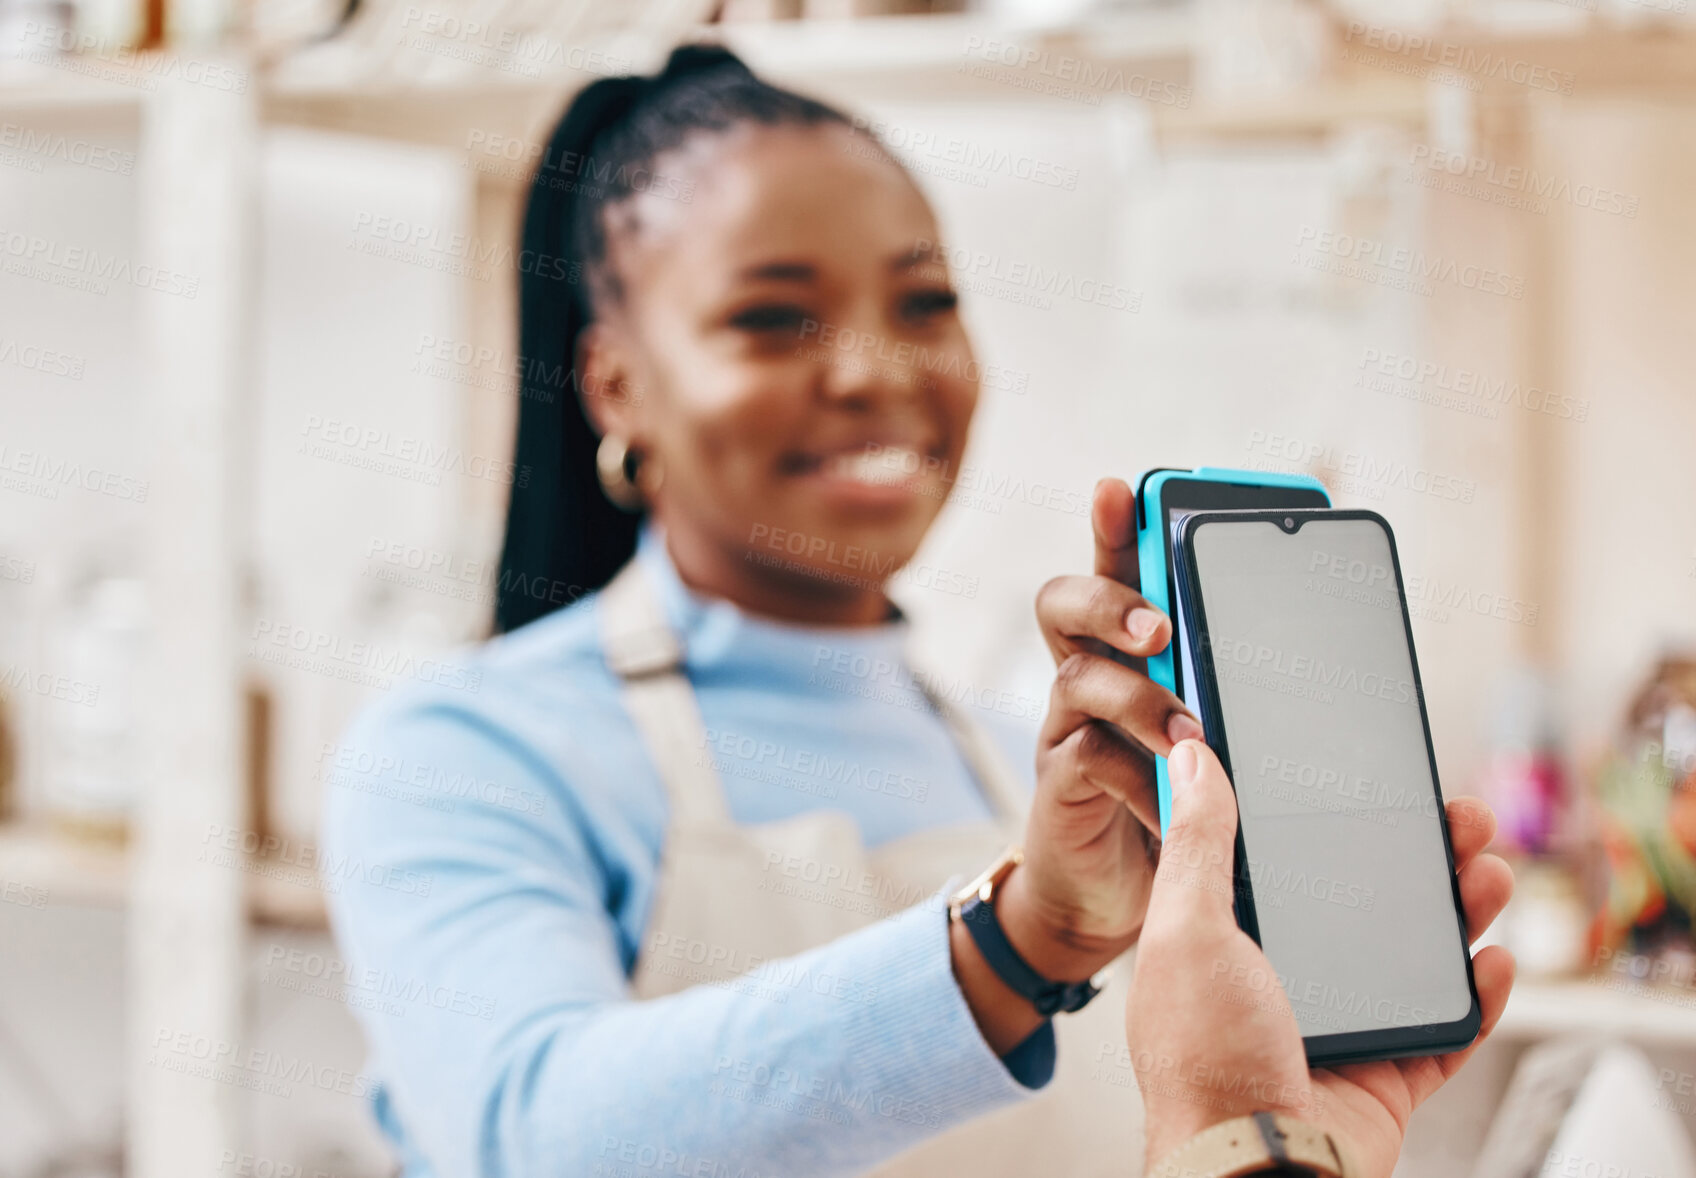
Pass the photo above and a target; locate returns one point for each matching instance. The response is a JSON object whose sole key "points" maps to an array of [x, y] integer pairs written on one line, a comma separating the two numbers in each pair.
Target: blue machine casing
{"points": [[1151, 560]]}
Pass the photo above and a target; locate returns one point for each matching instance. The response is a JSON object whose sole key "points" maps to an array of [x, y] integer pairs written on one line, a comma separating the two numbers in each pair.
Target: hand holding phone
{"points": [[1310, 694], [1211, 1033]]}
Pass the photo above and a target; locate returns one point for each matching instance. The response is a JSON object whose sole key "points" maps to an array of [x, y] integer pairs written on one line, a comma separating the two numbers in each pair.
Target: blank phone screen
{"points": [[1326, 735]]}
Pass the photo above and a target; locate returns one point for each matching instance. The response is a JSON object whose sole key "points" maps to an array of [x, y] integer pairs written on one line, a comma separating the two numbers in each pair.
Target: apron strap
{"points": [[644, 651], [995, 778]]}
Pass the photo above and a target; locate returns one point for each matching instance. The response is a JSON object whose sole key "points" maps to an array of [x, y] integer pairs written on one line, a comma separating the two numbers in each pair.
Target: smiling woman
{"points": [[716, 943], [753, 419], [750, 371]]}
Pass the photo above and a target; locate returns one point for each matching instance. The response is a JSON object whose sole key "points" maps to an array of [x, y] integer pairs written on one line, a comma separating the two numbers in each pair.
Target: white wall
{"points": [[1233, 346]]}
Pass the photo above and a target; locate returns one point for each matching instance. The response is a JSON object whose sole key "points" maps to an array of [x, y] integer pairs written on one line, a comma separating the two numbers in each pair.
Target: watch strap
{"points": [[1049, 997], [1257, 1144]]}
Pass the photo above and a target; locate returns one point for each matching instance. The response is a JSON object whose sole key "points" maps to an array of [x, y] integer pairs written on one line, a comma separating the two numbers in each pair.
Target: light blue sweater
{"points": [[502, 836]]}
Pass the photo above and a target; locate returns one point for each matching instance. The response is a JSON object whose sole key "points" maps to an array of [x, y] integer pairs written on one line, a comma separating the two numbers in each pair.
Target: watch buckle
{"points": [[987, 880]]}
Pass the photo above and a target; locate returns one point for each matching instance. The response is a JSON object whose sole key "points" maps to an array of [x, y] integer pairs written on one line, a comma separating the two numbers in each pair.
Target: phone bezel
{"points": [[1349, 1046]]}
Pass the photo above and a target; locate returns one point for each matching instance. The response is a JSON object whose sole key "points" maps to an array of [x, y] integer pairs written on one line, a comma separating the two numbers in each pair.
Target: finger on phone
{"points": [[1196, 879], [1073, 608], [1088, 687], [1113, 515], [1486, 886], [1100, 756]]}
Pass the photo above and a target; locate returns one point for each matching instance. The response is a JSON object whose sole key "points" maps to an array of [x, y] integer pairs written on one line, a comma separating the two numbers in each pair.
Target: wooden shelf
{"points": [[1606, 57], [69, 870], [281, 898], [1651, 1015], [79, 871], [906, 57], [898, 58], [61, 96], [1313, 112]]}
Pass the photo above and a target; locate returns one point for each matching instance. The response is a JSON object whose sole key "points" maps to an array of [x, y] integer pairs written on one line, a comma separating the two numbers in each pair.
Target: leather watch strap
{"points": [[1048, 997], [974, 907], [1258, 1144]]}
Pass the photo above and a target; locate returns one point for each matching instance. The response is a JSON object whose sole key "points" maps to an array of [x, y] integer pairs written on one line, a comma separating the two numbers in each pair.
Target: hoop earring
{"points": [[612, 458]]}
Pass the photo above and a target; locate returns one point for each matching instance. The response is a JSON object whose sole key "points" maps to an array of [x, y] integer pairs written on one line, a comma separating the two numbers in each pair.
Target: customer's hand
{"points": [[1094, 823], [1211, 1033]]}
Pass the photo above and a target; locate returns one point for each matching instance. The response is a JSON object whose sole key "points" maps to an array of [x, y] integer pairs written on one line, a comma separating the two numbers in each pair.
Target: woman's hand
{"points": [[1211, 1033], [1095, 822], [1078, 899]]}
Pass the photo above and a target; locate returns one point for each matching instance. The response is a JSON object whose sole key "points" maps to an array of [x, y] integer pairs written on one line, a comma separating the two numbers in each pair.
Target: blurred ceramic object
{"points": [[1547, 923], [15, 663], [1523, 781], [1037, 13], [110, 23], [34, 32], [8, 760], [92, 764], [1582, 1105]]}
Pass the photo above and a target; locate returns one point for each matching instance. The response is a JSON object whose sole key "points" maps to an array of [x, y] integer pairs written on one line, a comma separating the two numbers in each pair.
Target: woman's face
{"points": [[802, 381]]}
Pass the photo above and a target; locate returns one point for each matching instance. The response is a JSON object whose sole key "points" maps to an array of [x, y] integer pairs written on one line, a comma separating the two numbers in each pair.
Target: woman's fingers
{"points": [[1472, 825], [1113, 516], [1100, 757], [1072, 609], [1486, 886], [1088, 687]]}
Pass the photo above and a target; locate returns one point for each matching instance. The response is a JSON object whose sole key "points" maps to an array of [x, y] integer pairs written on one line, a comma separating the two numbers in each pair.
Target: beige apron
{"points": [[731, 897]]}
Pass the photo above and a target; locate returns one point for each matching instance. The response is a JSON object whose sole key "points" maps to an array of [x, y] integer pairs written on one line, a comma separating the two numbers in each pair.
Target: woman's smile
{"points": [[872, 472]]}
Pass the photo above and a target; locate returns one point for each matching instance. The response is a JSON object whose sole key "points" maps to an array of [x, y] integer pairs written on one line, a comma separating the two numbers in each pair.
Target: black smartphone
{"points": [[1310, 694]]}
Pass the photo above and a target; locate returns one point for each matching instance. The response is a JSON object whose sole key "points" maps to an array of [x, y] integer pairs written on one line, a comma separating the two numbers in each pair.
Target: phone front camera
{"points": [[1289, 522]]}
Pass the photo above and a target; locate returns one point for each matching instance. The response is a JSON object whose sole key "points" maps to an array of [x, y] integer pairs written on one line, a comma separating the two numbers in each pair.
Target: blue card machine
{"points": [[1164, 496]]}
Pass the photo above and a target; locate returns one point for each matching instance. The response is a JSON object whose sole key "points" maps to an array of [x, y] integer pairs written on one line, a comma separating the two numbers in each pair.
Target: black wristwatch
{"points": [[974, 905]]}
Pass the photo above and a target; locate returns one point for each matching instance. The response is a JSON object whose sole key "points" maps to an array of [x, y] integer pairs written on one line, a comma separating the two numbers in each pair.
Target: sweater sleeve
{"points": [[508, 1043]]}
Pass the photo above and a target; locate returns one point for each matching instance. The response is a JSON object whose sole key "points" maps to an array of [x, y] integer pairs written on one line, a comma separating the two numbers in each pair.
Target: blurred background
{"points": [[258, 373]]}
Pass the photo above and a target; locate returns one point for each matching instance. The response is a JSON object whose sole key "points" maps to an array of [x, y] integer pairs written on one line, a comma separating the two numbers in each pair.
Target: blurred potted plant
{"points": [[1647, 797]]}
